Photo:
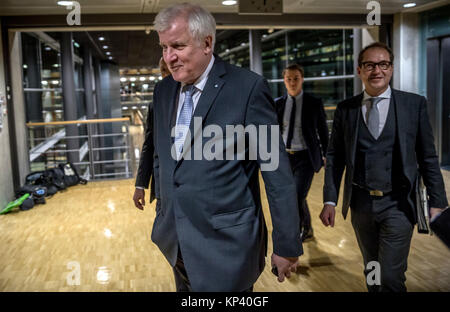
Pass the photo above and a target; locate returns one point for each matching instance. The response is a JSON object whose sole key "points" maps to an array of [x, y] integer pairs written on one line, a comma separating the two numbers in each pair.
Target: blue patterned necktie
{"points": [[184, 119]]}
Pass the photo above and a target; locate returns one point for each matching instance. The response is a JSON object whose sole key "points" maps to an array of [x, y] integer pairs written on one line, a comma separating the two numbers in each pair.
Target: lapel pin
{"points": [[216, 85]]}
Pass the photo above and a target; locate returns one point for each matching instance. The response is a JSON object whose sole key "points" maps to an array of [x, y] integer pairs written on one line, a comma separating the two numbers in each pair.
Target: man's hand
{"points": [[327, 215], [284, 266], [139, 198]]}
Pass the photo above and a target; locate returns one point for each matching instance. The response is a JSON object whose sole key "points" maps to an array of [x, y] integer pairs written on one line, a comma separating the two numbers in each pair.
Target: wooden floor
{"points": [[97, 226]]}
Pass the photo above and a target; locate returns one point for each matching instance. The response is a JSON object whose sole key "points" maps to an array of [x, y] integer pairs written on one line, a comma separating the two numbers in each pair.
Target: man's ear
{"points": [[207, 45], [358, 70]]}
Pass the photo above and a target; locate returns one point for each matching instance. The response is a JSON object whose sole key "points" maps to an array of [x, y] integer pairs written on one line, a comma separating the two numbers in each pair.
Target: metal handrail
{"points": [[96, 161], [76, 122]]}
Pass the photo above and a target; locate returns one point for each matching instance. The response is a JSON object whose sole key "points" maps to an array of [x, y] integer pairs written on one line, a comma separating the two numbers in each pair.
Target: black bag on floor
{"points": [[57, 178], [38, 178], [33, 190], [37, 193], [27, 204], [71, 176]]}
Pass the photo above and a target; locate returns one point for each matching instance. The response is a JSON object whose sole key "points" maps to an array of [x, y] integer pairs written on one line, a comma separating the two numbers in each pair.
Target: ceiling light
{"points": [[152, 78], [409, 5], [108, 53], [25, 66], [142, 78], [123, 79], [65, 3], [124, 107], [101, 38], [110, 57], [132, 79], [105, 47], [55, 82], [229, 2], [134, 107]]}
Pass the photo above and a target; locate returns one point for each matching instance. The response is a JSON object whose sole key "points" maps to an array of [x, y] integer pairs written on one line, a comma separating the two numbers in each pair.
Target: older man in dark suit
{"points": [[209, 220], [382, 138], [305, 134]]}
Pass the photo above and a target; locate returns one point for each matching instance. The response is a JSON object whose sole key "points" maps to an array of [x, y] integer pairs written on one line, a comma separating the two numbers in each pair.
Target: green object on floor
{"points": [[14, 204]]}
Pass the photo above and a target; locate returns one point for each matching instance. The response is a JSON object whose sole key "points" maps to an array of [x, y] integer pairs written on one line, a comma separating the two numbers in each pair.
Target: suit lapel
{"points": [[354, 114], [305, 113], [212, 88], [172, 108], [402, 122], [280, 111]]}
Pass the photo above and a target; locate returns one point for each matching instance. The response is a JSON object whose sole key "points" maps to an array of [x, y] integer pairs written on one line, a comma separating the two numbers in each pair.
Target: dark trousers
{"points": [[182, 283], [383, 232], [303, 174]]}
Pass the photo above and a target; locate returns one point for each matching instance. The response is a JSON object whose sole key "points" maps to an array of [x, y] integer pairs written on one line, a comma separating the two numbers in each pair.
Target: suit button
{"points": [[177, 184]]}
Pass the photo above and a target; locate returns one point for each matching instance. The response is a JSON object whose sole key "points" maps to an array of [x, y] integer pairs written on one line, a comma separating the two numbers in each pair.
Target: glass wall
{"points": [[136, 93], [325, 54]]}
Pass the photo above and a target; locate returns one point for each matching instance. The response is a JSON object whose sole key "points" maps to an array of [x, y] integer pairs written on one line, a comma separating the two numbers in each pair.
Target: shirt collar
{"points": [[201, 81], [385, 95], [298, 97]]}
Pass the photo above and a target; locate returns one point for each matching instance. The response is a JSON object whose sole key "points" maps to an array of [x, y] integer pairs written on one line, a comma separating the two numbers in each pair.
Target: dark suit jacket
{"points": [[145, 170], [212, 209], [416, 144], [314, 127]]}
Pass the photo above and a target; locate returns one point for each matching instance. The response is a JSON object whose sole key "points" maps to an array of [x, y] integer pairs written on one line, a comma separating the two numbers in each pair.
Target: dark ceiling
{"points": [[133, 49]]}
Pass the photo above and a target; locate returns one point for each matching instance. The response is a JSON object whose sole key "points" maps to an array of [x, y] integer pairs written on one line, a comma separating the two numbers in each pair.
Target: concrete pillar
{"points": [[20, 155], [69, 97], [7, 177], [88, 80], [32, 58], [357, 47], [255, 51], [406, 52]]}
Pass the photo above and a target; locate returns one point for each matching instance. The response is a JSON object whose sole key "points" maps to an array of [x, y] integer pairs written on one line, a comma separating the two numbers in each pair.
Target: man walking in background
{"points": [[305, 134]]}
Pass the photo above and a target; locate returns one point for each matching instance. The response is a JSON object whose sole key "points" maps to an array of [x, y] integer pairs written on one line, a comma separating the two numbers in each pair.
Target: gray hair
{"points": [[201, 22]]}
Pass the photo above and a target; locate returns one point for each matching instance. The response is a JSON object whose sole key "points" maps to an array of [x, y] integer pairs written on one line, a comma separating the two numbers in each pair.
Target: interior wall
{"points": [[19, 105], [6, 178]]}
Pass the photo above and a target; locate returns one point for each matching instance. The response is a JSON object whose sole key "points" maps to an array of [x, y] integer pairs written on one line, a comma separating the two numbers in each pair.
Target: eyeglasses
{"points": [[370, 66]]}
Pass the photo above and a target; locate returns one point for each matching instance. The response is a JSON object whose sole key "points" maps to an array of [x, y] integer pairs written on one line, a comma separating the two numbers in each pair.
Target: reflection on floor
{"points": [[97, 227]]}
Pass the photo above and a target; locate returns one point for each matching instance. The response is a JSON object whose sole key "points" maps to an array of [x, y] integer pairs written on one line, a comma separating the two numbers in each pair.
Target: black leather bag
{"points": [[57, 177], [71, 176]]}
